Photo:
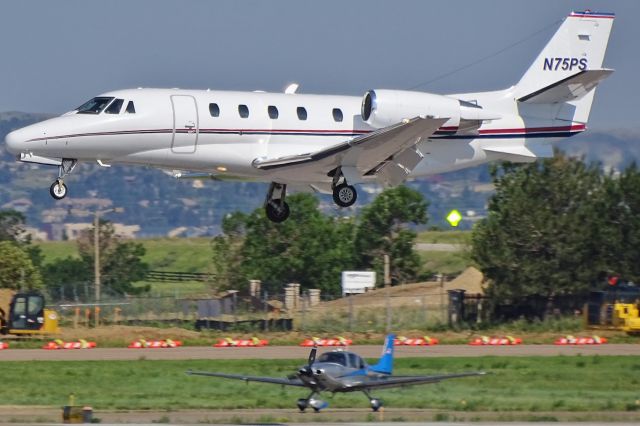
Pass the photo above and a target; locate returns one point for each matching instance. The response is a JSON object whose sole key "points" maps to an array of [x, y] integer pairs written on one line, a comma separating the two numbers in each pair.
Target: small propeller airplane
{"points": [[328, 143], [344, 371]]}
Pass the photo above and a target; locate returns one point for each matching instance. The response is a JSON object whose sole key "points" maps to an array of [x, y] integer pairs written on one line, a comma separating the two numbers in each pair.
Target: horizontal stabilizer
{"points": [[568, 89]]}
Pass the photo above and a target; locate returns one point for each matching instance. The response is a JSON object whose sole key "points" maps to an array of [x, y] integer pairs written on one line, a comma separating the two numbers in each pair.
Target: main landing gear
{"points": [[344, 195], [58, 189], [376, 403], [276, 208]]}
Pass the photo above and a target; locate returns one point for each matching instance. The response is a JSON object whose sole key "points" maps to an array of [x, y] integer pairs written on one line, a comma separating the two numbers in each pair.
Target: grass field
{"points": [[444, 237], [592, 384], [194, 255]]}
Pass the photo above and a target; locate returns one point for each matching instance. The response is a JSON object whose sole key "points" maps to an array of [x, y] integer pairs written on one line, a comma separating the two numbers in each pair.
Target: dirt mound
{"points": [[410, 294]]}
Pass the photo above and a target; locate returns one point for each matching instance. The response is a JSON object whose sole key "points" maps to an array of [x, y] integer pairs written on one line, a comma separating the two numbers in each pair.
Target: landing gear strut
{"points": [[58, 189], [276, 208], [344, 195], [376, 403]]}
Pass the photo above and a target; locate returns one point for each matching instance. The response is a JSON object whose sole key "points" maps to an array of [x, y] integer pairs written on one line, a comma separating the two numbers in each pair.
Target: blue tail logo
{"points": [[385, 363]]}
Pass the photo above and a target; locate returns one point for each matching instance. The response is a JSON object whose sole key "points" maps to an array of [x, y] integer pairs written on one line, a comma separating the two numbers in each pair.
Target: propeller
{"points": [[312, 357]]}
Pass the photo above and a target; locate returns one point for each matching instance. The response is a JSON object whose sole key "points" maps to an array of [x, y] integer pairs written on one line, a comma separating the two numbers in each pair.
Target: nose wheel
{"points": [[58, 189]]}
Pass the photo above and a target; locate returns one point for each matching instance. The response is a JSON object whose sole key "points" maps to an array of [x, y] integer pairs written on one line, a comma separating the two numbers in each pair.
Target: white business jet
{"points": [[329, 144]]}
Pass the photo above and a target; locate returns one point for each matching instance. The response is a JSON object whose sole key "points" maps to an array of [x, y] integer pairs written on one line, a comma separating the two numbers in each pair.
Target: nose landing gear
{"points": [[58, 189]]}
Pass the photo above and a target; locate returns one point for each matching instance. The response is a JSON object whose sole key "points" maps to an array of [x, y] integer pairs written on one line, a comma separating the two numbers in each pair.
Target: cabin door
{"points": [[185, 124]]}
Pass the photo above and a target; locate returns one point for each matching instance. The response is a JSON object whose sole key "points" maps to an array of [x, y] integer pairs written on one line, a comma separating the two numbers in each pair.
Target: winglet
{"points": [[385, 364]]}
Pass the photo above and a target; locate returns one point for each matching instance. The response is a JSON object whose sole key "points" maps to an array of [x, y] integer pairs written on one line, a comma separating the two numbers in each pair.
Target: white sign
{"points": [[354, 282]]}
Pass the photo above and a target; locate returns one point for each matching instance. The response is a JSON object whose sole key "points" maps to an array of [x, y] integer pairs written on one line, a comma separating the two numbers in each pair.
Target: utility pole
{"points": [[96, 254], [96, 248]]}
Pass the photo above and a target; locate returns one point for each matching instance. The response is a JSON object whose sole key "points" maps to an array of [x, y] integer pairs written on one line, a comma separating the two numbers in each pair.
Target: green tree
{"points": [[383, 228], [16, 268], [121, 265], [12, 228], [542, 235], [310, 248], [618, 209]]}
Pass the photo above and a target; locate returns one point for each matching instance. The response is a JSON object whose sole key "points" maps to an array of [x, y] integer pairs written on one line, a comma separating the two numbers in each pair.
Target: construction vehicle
{"points": [[616, 308], [24, 313], [627, 317]]}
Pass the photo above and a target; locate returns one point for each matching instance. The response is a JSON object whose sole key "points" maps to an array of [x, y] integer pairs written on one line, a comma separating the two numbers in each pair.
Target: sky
{"points": [[57, 54]]}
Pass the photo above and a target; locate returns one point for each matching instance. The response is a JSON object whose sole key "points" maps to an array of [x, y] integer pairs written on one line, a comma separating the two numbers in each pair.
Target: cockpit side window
{"points": [[115, 107], [131, 109], [333, 357], [94, 106]]}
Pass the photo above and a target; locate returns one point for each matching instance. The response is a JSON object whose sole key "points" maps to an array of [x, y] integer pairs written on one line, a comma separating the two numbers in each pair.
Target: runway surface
{"points": [[295, 352]]}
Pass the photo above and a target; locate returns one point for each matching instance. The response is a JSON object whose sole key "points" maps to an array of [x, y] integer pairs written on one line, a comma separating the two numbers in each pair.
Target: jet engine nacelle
{"points": [[381, 108]]}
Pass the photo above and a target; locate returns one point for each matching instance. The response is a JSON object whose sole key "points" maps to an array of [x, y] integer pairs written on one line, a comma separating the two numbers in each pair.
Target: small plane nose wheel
{"points": [[58, 189], [344, 195]]}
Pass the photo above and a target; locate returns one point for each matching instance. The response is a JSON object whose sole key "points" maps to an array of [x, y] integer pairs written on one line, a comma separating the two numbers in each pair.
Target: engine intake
{"points": [[381, 108]]}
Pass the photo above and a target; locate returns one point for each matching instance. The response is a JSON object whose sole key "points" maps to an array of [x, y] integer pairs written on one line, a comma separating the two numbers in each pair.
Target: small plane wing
{"points": [[383, 382], [272, 380], [368, 154]]}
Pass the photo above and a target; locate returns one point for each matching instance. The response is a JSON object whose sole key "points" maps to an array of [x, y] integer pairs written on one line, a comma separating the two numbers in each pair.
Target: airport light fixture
{"points": [[96, 247]]}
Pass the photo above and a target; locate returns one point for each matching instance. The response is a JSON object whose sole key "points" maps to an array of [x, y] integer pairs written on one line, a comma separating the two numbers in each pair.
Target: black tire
{"points": [[344, 195], [277, 211], [58, 190], [376, 404]]}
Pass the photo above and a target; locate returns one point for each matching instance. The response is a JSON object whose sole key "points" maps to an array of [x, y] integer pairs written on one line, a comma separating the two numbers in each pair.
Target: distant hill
{"points": [[160, 203]]}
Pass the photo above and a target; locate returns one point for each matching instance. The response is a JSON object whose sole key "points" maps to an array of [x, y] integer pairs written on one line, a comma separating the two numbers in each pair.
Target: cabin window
{"points": [[243, 110], [115, 107], [131, 109], [273, 112], [302, 113], [214, 110], [337, 115], [95, 105]]}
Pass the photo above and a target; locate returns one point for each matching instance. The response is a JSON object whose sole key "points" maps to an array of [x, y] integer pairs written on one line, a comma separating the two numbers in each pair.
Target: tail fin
{"points": [[385, 363], [570, 65]]}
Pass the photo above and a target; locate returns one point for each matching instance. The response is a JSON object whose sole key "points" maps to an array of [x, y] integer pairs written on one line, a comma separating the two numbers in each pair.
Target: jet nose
{"points": [[13, 141]]}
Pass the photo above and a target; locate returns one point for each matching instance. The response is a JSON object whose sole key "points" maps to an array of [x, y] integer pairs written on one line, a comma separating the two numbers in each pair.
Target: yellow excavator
{"points": [[24, 313], [627, 317]]}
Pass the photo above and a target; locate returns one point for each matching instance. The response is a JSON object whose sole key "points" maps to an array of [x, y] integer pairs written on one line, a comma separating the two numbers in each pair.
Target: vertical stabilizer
{"points": [[385, 363], [569, 67]]}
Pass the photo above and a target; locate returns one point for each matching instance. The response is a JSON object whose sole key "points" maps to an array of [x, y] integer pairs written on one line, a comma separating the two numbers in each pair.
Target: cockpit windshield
{"points": [[95, 105], [334, 357]]}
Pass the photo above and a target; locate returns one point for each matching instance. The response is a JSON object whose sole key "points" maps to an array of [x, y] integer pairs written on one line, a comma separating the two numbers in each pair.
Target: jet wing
{"points": [[383, 382], [367, 155], [273, 380]]}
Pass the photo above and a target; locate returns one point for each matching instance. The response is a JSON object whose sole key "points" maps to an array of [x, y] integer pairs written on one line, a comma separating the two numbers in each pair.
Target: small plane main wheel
{"points": [[302, 404], [344, 195], [376, 404], [58, 190], [277, 211]]}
